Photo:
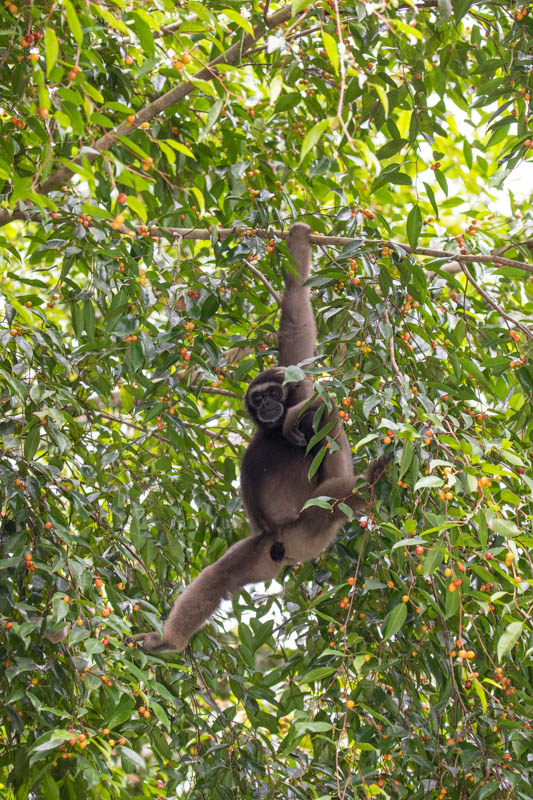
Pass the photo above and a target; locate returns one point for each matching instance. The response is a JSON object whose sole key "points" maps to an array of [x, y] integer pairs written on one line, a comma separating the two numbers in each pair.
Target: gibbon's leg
{"points": [[316, 528], [255, 559], [297, 329]]}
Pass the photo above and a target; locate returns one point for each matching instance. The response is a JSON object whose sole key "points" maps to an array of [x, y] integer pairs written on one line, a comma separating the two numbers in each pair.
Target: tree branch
{"points": [[264, 280], [494, 304], [393, 362], [339, 241]]}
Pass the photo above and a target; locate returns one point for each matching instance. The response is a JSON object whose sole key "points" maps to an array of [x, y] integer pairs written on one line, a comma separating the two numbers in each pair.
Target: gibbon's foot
{"points": [[153, 643], [376, 468], [277, 551]]}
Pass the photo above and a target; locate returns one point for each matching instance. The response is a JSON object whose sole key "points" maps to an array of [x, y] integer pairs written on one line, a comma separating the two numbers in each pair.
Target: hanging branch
{"points": [[261, 277]]}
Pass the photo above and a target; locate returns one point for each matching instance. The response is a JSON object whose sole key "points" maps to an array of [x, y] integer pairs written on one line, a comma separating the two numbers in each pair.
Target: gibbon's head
{"points": [[267, 399]]}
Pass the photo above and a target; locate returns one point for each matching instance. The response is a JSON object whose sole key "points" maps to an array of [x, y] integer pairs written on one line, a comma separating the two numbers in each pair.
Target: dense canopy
{"points": [[152, 158]]}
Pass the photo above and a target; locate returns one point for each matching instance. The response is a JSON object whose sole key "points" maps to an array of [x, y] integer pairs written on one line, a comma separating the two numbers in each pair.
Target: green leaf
{"points": [[234, 16], [212, 116], [407, 457], [391, 148], [181, 148], [432, 559], [50, 787], [289, 100], [275, 88], [89, 319], [299, 5], [323, 432], [505, 527], [441, 179], [136, 204], [431, 194], [51, 46], [445, 10], [320, 502], [161, 744], [130, 144], [144, 32], [509, 638], [408, 30], [414, 226], [317, 674], [395, 620], [453, 603], [73, 22], [316, 462], [413, 540], [110, 19], [31, 442], [121, 713], [294, 374], [382, 94], [313, 726], [460, 8], [480, 691], [134, 757], [5, 172], [50, 740], [313, 137], [432, 481], [332, 50], [161, 715]]}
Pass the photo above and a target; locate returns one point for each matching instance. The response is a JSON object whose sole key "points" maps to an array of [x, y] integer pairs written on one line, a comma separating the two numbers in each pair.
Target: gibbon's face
{"points": [[266, 399]]}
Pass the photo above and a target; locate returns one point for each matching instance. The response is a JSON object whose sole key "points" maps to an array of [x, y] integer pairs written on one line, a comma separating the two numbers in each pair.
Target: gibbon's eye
{"points": [[256, 398], [275, 392]]}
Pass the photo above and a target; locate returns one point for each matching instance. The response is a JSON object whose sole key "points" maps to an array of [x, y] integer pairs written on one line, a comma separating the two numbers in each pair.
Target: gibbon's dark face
{"points": [[266, 398]]}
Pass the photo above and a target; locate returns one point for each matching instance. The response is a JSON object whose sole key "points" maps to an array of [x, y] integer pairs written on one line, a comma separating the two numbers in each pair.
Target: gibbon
{"points": [[274, 475]]}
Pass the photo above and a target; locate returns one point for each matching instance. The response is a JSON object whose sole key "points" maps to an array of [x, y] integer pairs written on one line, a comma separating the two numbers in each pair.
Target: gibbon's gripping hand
{"points": [[291, 432], [153, 643]]}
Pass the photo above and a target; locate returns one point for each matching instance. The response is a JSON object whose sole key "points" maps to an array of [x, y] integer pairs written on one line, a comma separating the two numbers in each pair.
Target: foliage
{"points": [[400, 664]]}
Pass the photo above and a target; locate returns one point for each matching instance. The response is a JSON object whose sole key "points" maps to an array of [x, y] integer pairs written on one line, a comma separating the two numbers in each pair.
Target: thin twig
{"points": [[495, 305], [510, 245], [394, 365], [214, 390], [267, 283], [341, 51], [133, 425]]}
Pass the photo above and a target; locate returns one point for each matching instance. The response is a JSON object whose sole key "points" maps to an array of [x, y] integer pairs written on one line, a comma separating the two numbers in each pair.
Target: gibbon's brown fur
{"points": [[274, 475]]}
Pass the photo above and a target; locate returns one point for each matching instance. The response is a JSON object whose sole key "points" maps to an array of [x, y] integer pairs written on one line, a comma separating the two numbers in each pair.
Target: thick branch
{"points": [[340, 241], [62, 175]]}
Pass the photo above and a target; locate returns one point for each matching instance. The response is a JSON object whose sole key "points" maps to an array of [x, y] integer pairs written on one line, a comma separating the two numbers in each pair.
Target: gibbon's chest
{"points": [[274, 480]]}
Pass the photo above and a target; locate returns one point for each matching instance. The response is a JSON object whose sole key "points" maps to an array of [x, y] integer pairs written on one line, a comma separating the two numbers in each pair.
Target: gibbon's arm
{"points": [[297, 329], [248, 561]]}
